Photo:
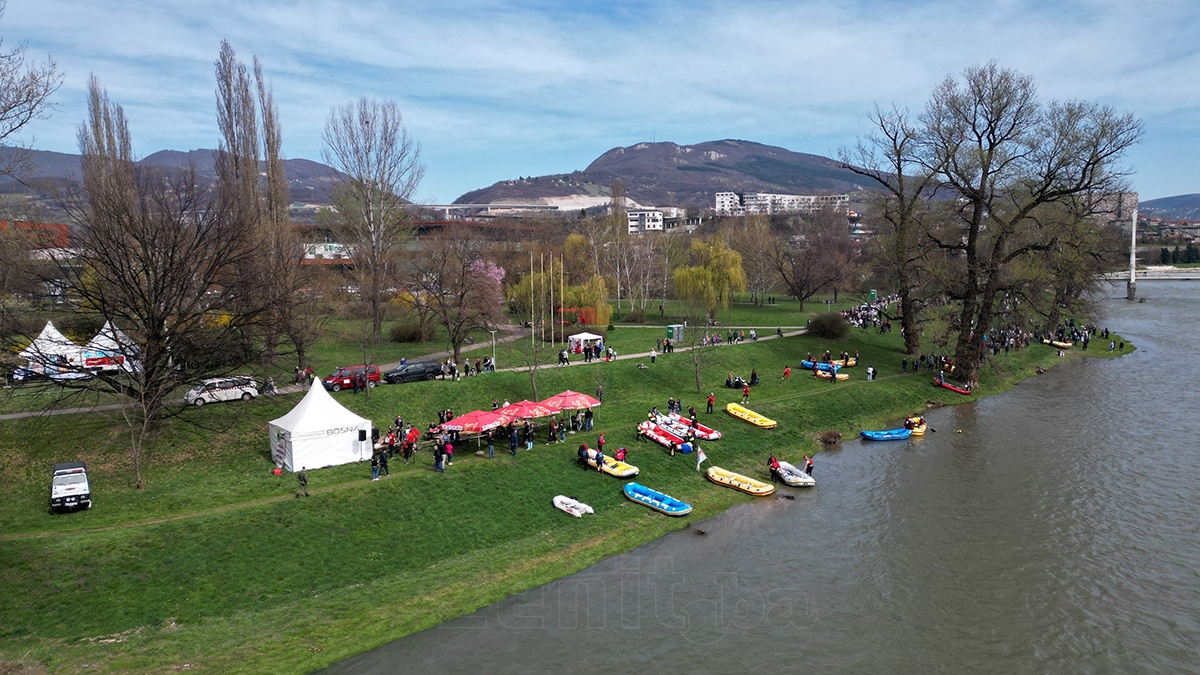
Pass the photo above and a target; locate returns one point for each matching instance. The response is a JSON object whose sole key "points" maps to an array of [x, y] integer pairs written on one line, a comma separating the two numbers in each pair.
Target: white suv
{"points": [[222, 389]]}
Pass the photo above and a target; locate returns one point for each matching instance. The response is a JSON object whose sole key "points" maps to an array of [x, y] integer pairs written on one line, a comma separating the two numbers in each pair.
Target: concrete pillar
{"points": [[1131, 290]]}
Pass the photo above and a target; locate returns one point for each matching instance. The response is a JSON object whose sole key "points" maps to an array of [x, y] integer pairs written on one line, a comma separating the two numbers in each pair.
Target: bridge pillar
{"points": [[1131, 290]]}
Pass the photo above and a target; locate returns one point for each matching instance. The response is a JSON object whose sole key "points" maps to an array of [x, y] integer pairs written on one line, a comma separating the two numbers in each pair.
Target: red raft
{"points": [[951, 387], [663, 437]]}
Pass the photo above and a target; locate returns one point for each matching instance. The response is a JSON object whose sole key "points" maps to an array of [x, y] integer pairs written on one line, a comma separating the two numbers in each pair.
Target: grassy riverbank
{"points": [[217, 566]]}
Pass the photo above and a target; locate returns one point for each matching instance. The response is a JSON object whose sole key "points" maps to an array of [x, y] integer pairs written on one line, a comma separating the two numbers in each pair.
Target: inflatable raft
{"points": [[739, 482], [813, 365], [951, 387], [659, 435], [1057, 343], [571, 505], [612, 466], [921, 428], [663, 503], [825, 375], [794, 477], [704, 433], [750, 416], [887, 435]]}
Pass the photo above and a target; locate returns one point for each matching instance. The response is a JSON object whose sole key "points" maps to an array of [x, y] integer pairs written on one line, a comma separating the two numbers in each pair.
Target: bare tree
{"points": [[25, 91], [158, 254], [1002, 155], [817, 255], [462, 287], [368, 143], [754, 242], [893, 158]]}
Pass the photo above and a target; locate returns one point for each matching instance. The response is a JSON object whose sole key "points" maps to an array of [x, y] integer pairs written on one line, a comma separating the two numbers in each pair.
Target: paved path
{"points": [[515, 334]]}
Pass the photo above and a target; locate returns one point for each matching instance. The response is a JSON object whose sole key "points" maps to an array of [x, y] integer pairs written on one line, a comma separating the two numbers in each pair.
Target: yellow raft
{"points": [[739, 482], [824, 375], [749, 416], [1056, 343], [612, 466], [920, 429]]}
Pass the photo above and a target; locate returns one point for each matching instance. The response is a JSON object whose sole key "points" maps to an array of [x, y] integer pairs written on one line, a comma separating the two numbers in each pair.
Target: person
{"points": [[439, 457], [528, 431], [491, 443], [746, 393], [599, 460], [621, 453], [753, 377], [354, 383], [583, 455], [512, 439], [652, 355], [600, 393], [588, 419], [495, 404], [670, 405], [374, 466], [941, 377], [303, 478], [773, 465], [600, 442], [562, 431], [779, 332], [787, 372], [552, 432], [711, 399], [1112, 346], [870, 373], [808, 465], [672, 448], [909, 423], [383, 464], [692, 414]]}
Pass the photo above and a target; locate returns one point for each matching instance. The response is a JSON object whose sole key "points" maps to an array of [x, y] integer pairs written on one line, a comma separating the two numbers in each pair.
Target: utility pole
{"points": [[1131, 288]]}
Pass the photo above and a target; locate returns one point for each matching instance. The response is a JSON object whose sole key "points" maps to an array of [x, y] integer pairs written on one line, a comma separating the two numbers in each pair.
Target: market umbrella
{"points": [[477, 421], [527, 410], [570, 400]]}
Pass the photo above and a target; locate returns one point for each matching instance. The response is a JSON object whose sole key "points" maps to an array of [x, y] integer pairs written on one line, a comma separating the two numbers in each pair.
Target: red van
{"points": [[343, 377]]}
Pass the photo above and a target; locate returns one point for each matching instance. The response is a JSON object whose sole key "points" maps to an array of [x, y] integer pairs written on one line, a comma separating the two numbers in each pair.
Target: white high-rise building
{"points": [[644, 221]]}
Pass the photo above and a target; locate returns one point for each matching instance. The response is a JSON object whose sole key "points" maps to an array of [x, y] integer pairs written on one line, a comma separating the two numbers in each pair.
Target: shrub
{"points": [[610, 326], [637, 316], [411, 332], [830, 326]]}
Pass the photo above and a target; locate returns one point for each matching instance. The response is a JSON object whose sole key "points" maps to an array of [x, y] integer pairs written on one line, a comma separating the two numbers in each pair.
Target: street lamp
{"points": [[493, 349]]}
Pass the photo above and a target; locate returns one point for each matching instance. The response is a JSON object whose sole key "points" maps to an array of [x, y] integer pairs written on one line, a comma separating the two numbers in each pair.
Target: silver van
{"points": [[222, 389]]}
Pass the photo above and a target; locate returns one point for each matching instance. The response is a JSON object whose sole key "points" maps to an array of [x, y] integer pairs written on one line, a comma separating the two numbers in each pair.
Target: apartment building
{"points": [[750, 203]]}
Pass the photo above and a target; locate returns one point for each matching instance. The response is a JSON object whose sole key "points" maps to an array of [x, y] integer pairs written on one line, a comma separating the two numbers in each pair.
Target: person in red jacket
{"points": [[745, 393], [600, 442], [787, 372], [711, 399], [808, 465]]}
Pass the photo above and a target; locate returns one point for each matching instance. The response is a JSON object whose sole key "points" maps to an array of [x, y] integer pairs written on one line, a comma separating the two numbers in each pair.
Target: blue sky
{"points": [[494, 90]]}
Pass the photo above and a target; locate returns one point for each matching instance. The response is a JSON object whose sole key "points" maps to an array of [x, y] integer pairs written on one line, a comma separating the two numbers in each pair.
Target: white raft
{"points": [[572, 506], [794, 477]]}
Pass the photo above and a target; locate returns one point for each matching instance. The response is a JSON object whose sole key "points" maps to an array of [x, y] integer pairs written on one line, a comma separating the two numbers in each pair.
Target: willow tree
{"points": [[1001, 156], [715, 274]]}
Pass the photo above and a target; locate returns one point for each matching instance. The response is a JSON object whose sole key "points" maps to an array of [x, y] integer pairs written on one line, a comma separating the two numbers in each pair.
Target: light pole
{"points": [[493, 349]]}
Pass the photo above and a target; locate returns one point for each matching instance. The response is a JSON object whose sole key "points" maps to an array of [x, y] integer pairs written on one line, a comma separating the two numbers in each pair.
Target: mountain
{"points": [[308, 181], [1179, 207], [667, 174]]}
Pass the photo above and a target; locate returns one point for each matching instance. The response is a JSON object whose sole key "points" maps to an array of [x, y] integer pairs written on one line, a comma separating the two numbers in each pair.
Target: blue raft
{"points": [[826, 367], [887, 435], [656, 500]]}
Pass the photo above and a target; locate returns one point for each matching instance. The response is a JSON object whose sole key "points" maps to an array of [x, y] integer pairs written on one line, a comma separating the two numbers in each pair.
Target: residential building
{"points": [[750, 203], [642, 221]]}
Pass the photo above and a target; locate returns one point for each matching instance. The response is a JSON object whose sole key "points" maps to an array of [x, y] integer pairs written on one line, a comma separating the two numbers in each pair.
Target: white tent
{"points": [[111, 349], [52, 353], [585, 336], [577, 341], [318, 432]]}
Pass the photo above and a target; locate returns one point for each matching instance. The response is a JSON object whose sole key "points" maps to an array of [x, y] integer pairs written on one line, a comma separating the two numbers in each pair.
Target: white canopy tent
{"points": [[52, 353], [319, 432], [111, 349], [577, 341]]}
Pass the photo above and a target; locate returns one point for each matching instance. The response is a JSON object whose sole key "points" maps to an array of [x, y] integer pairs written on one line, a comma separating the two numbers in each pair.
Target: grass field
{"points": [[215, 564]]}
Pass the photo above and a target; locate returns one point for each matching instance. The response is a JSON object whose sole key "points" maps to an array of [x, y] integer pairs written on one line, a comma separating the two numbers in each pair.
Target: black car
{"points": [[412, 372]]}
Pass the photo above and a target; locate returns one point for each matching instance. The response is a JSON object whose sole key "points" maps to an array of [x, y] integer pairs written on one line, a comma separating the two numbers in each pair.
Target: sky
{"points": [[496, 89]]}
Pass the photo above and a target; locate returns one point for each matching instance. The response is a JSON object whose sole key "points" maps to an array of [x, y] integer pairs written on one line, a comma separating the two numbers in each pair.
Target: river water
{"points": [[1058, 532]]}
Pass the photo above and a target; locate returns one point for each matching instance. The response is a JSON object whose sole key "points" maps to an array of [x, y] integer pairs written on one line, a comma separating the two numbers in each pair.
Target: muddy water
{"points": [[1058, 532]]}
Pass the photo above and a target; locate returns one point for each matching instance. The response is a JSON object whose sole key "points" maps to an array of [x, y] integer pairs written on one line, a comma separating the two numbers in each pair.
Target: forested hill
{"points": [[667, 174], [1179, 207]]}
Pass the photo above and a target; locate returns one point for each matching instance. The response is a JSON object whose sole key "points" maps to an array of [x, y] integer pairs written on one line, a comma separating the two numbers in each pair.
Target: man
{"points": [[528, 432], [711, 399], [588, 419], [439, 456], [600, 442], [303, 478], [491, 442], [512, 439], [652, 355], [746, 393], [583, 455], [600, 393], [383, 464]]}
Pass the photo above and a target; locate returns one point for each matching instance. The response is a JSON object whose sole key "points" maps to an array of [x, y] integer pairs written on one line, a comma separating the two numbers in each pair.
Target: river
{"points": [[1058, 532]]}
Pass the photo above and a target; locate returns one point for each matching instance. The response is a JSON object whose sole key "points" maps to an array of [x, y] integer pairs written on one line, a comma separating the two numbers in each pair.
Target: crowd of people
{"points": [[871, 314]]}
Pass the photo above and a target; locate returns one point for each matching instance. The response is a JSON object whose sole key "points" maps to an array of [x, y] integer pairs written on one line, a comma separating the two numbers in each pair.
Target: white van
{"points": [[222, 389], [70, 489]]}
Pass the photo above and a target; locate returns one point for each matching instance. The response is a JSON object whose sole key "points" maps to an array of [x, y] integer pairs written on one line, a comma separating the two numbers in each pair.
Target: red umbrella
{"points": [[477, 421], [527, 410], [570, 400]]}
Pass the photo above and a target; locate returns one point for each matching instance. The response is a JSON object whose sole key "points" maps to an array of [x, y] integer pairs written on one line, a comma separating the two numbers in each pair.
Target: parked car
{"points": [[413, 372], [342, 378], [69, 489], [222, 389]]}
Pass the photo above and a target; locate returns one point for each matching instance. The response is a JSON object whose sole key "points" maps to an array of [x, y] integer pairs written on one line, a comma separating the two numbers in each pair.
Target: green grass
{"points": [[215, 564]]}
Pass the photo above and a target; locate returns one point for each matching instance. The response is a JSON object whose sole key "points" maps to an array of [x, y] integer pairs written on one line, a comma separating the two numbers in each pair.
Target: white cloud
{"points": [[491, 86]]}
